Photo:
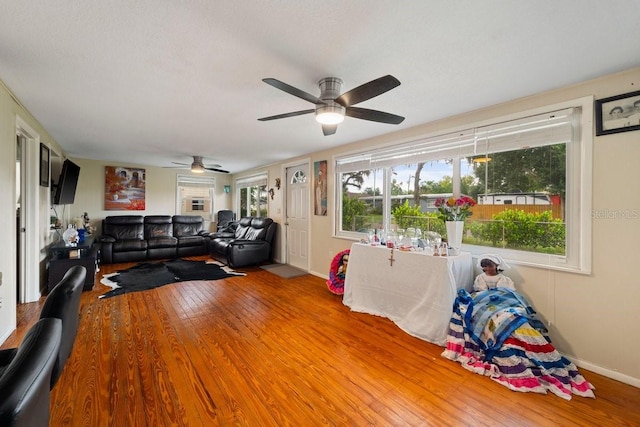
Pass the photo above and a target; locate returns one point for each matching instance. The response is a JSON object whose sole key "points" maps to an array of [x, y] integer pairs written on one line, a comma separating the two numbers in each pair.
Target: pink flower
{"points": [[454, 209]]}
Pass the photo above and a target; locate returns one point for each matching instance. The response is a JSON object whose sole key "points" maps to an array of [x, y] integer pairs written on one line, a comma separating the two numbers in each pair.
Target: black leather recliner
{"points": [[158, 232], [193, 239], [24, 383], [63, 302], [251, 243], [122, 239]]}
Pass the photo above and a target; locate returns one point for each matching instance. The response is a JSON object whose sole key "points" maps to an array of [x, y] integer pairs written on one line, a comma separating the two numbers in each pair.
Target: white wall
{"points": [[10, 113]]}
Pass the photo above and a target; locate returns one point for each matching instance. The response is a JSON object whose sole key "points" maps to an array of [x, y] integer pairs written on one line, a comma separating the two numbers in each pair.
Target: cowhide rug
{"points": [[148, 275]]}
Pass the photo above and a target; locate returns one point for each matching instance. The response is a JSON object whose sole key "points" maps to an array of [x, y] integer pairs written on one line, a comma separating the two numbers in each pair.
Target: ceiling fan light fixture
{"points": [[330, 114], [197, 168]]}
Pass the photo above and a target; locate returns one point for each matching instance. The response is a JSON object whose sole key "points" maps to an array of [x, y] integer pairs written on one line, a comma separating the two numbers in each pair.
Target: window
{"points": [[195, 196], [198, 204], [252, 196], [529, 173]]}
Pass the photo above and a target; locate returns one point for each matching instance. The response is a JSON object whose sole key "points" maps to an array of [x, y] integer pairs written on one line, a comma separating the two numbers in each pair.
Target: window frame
{"points": [[578, 202], [257, 180], [207, 182]]}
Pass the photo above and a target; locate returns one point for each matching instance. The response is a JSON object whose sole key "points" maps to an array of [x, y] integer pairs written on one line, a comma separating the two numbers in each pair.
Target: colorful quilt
{"points": [[496, 333]]}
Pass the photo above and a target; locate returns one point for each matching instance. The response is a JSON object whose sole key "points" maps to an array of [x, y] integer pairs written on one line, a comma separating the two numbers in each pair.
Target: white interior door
{"points": [[297, 216]]}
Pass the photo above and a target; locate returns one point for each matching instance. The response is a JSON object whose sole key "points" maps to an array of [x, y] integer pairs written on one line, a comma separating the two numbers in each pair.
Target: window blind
{"points": [[251, 181], [533, 131], [196, 181]]}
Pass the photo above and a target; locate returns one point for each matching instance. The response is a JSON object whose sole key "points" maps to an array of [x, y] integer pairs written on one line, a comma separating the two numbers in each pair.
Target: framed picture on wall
{"points": [[124, 189], [620, 113], [320, 187], [44, 165]]}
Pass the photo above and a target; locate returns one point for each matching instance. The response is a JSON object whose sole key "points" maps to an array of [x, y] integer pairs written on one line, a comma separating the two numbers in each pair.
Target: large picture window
{"points": [[529, 173]]}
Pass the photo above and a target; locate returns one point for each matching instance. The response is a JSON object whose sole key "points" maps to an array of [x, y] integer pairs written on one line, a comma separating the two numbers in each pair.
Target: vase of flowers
{"points": [[453, 212]]}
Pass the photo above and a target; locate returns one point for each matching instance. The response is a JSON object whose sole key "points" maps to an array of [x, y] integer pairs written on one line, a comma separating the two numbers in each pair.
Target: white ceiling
{"points": [[154, 81]]}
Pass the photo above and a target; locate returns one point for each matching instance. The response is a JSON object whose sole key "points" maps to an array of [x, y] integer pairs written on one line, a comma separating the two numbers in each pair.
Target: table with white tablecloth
{"points": [[415, 290]]}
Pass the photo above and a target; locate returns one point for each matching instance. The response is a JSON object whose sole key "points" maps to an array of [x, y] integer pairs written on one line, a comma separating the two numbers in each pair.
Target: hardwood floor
{"points": [[265, 351]]}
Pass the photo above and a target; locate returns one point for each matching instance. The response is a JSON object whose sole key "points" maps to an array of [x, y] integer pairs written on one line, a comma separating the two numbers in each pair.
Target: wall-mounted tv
{"points": [[66, 187]]}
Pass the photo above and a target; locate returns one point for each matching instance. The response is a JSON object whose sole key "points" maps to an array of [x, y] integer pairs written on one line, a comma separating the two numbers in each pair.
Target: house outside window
{"points": [[529, 173]]}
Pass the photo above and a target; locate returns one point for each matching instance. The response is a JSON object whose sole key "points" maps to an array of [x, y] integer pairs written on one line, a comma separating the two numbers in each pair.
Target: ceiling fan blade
{"points": [[329, 129], [373, 115], [293, 91], [216, 170], [285, 115], [368, 90], [181, 164]]}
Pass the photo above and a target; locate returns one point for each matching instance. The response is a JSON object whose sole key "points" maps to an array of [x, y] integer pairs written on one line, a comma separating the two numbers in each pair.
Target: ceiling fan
{"points": [[331, 107], [198, 166]]}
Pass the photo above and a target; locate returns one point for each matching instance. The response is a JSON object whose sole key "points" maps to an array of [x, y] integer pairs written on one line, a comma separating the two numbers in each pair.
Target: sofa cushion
{"points": [[162, 242], [191, 241], [129, 245], [157, 226], [243, 226], [258, 229], [124, 227], [187, 225]]}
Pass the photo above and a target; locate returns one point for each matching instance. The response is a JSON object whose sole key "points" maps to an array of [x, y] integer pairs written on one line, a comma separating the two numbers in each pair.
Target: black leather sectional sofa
{"points": [[130, 238], [248, 241]]}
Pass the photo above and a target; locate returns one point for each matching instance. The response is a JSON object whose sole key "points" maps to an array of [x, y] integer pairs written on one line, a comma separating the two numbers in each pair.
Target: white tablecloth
{"points": [[416, 292]]}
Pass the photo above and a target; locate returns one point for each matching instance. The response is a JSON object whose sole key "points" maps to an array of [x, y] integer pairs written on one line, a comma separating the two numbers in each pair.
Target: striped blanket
{"points": [[496, 333]]}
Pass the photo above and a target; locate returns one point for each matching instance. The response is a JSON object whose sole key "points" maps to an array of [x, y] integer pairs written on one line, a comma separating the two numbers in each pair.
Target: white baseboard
{"points": [[323, 276], [609, 373], [613, 374], [6, 335]]}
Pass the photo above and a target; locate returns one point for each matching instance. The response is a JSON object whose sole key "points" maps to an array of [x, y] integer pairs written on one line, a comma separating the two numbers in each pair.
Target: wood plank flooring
{"points": [[265, 351]]}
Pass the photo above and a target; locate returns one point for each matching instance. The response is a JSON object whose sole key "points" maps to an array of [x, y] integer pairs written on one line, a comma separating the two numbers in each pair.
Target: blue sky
{"points": [[432, 171]]}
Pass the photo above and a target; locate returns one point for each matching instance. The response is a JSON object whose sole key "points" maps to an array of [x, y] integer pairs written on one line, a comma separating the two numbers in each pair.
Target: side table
{"points": [[62, 258]]}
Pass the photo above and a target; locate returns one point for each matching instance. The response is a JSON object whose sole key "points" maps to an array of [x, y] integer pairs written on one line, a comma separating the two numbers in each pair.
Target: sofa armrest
{"points": [[106, 250], [242, 253], [244, 242], [106, 239], [223, 235]]}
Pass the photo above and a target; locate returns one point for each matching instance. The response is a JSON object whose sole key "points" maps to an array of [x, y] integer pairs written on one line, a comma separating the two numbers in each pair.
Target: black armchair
{"points": [[24, 383], [63, 302]]}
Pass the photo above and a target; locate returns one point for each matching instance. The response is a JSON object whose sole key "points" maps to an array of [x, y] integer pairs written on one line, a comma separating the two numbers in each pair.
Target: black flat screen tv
{"points": [[66, 188]]}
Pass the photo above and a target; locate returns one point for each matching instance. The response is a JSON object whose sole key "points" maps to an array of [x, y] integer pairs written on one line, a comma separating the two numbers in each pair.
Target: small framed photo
{"points": [[44, 165], [619, 113]]}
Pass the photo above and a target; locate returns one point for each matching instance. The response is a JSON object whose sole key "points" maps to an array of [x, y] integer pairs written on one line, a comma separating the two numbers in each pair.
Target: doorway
{"points": [[297, 216], [31, 206], [21, 143]]}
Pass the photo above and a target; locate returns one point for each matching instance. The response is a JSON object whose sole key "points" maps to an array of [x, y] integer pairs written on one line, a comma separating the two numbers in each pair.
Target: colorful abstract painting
{"points": [[124, 189]]}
